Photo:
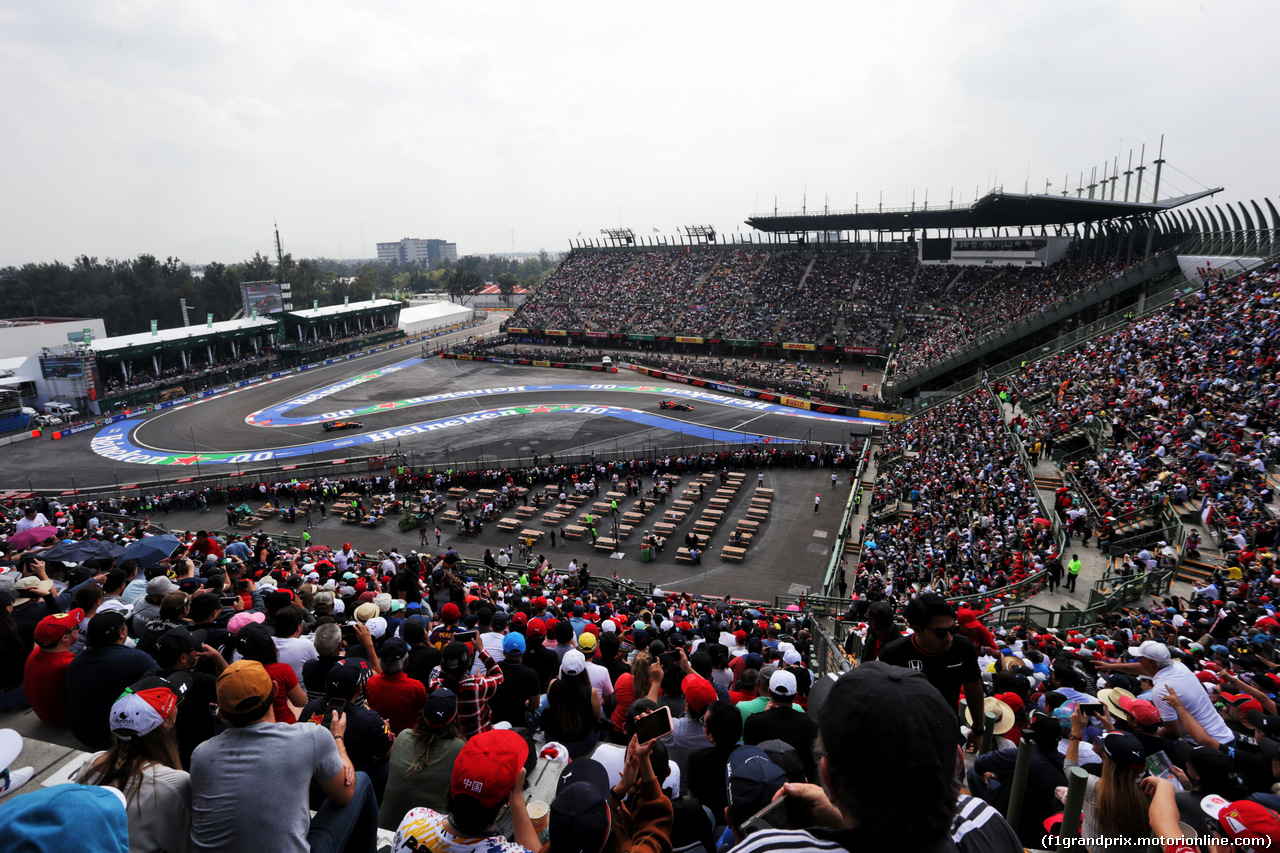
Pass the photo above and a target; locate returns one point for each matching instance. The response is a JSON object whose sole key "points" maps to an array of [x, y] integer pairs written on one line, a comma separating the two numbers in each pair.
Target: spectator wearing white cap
{"points": [[1155, 661], [780, 720]]}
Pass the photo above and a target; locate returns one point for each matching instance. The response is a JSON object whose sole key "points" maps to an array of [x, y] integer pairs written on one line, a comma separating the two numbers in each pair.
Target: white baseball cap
{"points": [[1151, 650], [782, 683]]}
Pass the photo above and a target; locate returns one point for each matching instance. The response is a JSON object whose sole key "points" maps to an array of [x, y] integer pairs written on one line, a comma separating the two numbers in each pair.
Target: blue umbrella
{"points": [[83, 551], [149, 550]]}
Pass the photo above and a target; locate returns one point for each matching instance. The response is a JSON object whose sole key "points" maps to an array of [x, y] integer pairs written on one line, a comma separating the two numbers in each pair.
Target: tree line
{"points": [[129, 294]]}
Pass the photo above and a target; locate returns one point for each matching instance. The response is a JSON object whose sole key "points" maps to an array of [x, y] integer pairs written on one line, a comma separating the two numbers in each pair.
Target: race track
{"points": [[438, 411]]}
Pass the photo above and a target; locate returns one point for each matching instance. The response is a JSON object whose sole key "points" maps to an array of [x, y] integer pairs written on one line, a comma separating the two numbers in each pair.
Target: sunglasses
{"points": [[943, 633]]}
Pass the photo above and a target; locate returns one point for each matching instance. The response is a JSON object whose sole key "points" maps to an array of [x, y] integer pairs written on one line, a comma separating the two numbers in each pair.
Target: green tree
{"points": [[507, 286]]}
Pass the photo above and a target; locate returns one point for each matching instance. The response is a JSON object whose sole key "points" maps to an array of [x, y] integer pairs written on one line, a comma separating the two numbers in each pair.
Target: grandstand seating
{"points": [[817, 295]]}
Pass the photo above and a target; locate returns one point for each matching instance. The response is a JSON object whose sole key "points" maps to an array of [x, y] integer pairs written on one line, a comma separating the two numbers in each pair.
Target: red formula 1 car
{"points": [[675, 404], [334, 426]]}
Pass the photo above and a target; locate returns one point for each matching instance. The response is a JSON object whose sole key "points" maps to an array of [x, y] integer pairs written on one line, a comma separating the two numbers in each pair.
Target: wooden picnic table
{"points": [[718, 503]]}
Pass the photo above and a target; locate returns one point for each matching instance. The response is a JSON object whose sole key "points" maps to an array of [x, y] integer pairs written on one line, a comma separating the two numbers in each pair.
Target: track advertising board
{"points": [[262, 298]]}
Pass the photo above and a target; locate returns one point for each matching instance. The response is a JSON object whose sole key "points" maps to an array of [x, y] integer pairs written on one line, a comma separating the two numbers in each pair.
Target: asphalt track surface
{"points": [[440, 411]]}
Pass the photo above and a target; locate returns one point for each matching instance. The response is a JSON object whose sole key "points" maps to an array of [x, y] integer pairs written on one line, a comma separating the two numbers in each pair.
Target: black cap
{"points": [[441, 708], [889, 723], [345, 678], [1266, 724], [586, 770], [751, 780], [394, 649], [1122, 748], [178, 641], [454, 659], [785, 756], [579, 819], [178, 681], [104, 628]]}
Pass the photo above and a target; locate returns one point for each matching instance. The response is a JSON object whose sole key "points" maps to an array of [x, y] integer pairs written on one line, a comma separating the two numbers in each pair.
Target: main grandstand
{"points": [[928, 294]]}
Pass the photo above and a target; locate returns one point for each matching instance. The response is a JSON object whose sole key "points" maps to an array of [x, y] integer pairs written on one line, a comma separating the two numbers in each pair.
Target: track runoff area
{"points": [[467, 417]]}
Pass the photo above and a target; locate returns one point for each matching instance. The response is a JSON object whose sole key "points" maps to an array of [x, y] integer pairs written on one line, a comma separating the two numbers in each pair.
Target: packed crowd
{"points": [[802, 295], [1189, 395], [401, 693], [143, 379], [952, 509], [970, 303]]}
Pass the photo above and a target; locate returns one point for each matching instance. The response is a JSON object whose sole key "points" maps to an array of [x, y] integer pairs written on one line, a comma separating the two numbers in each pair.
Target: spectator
{"points": [[573, 712], [487, 774], [99, 675], [473, 691], [781, 720], [1114, 805], [888, 758], [394, 695], [258, 754], [422, 759], [143, 764], [517, 698], [991, 778], [368, 739], [254, 642], [45, 673], [948, 661]]}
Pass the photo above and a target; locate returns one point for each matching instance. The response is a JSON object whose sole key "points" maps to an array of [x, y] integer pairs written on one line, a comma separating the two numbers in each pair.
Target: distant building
{"points": [[413, 249]]}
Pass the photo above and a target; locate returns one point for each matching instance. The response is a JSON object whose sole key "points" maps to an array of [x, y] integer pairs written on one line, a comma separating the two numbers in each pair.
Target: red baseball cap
{"points": [[520, 618], [740, 636], [698, 692], [1244, 819], [1013, 700], [487, 767], [1141, 711], [536, 628], [51, 629], [450, 612]]}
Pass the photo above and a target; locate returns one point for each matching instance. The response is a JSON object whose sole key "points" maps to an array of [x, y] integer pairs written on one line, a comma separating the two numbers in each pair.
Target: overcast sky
{"points": [[186, 129]]}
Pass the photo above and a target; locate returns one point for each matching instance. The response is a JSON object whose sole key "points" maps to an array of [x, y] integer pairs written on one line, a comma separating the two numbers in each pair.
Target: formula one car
{"points": [[334, 426], [675, 404]]}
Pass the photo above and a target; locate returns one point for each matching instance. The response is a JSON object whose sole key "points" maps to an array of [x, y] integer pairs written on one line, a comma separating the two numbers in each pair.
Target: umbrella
{"points": [[149, 550], [31, 536], [319, 549], [83, 551]]}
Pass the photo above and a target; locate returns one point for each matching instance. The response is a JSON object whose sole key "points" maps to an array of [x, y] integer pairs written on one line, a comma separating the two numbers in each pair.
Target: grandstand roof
{"points": [[331, 312], [145, 342], [994, 210]]}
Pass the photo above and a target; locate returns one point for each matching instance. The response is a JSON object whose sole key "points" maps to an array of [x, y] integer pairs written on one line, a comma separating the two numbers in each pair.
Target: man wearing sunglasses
{"points": [[950, 662]]}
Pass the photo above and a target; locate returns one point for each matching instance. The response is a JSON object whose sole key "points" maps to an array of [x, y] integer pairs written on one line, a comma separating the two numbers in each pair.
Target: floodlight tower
{"points": [[286, 298]]}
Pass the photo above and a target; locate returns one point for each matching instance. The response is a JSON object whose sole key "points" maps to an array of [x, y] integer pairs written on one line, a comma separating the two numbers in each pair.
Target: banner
{"points": [[560, 333], [597, 334], [738, 342], [512, 330], [794, 345], [795, 402], [688, 340]]}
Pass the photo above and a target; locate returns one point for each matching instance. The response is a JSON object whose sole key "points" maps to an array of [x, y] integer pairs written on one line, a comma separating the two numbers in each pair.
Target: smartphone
{"points": [[653, 725], [772, 816], [464, 637], [1091, 708], [339, 705], [349, 633], [228, 600], [669, 659]]}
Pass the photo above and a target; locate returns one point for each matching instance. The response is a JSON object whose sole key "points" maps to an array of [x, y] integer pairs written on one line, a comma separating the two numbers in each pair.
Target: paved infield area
{"points": [[434, 409]]}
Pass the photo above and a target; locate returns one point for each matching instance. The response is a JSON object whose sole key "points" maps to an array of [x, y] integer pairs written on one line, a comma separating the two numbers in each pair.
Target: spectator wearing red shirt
{"points": [[45, 675], [395, 696]]}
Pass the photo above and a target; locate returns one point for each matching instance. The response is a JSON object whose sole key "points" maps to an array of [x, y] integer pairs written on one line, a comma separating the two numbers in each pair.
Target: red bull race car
{"points": [[676, 405], [334, 426]]}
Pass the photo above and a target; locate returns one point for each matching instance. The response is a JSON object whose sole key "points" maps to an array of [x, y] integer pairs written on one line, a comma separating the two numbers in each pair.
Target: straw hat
{"points": [[1110, 696], [1004, 715]]}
